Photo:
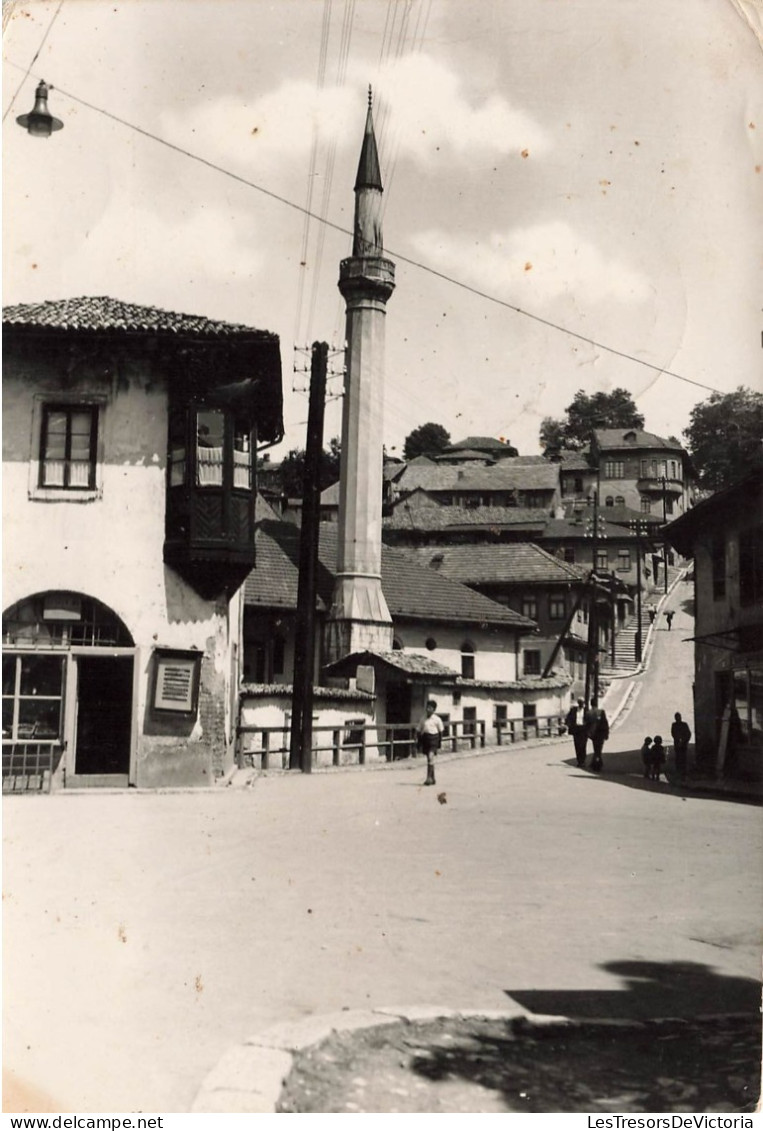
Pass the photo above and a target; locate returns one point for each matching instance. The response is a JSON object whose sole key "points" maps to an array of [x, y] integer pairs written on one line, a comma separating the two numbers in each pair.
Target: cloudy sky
{"points": [[594, 163]]}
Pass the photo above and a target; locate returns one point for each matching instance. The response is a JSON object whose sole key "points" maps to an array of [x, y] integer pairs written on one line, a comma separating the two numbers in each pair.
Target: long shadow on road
{"points": [[652, 989], [623, 767]]}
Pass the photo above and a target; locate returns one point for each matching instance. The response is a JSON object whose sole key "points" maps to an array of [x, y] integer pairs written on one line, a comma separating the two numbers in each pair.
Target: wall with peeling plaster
{"points": [[108, 544]]}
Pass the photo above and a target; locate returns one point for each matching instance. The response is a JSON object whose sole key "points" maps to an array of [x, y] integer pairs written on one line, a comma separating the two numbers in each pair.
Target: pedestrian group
{"points": [[588, 724], [593, 725]]}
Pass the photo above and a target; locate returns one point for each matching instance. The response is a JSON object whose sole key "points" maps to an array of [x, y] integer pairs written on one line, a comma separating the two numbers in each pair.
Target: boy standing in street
{"points": [[430, 734]]}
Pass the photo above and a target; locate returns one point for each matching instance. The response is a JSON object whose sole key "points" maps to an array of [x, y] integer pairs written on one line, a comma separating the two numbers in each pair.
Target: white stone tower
{"points": [[359, 619]]}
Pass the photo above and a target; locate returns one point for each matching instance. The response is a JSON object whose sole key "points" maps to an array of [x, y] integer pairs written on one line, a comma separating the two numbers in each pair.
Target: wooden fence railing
{"points": [[342, 745], [339, 746], [542, 726]]}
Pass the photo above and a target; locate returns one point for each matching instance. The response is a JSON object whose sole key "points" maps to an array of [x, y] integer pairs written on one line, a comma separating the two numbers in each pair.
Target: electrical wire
{"points": [[398, 255], [322, 56], [34, 59]]}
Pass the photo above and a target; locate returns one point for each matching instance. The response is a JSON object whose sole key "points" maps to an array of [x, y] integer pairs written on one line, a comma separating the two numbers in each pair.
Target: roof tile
{"points": [[100, 313], [412, 590]]}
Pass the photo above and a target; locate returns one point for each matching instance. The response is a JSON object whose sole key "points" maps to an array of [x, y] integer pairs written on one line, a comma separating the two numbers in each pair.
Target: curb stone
{"points": [[249, 1078]]}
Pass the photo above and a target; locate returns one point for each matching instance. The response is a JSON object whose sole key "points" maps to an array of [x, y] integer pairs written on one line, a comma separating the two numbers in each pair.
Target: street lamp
{"points": [[39, 122]]}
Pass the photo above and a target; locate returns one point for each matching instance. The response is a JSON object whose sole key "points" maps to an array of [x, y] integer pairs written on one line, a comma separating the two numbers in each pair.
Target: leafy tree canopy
{"points": [[426, 440], [587, 412], [293, 468], [725, 437]]}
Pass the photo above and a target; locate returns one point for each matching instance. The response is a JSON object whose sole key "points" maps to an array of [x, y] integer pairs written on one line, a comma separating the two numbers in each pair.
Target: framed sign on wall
{"points": [[176, 681]]}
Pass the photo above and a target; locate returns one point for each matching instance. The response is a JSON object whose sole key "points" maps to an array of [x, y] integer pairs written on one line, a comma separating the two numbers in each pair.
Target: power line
{"points": [[398, 255], [34, 59]]}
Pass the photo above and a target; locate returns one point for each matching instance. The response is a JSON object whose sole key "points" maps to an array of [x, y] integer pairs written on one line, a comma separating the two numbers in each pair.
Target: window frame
{"points": [[534, 666], [42, 405], [68, 411], [530, 607], [718, 566], [17, 697], [557, 601]]}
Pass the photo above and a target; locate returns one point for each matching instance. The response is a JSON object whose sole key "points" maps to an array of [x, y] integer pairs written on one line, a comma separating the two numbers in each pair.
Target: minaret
{"points": [[359, 619]]}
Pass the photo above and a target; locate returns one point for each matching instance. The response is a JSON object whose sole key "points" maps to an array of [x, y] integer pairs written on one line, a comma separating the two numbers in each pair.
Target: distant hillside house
{"points": [[510, 482], [129, 446], [642, 471], [476, 449]]}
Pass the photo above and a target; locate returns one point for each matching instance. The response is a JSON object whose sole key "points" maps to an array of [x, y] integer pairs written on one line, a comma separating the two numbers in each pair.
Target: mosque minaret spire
{"points": [[359, 619]]}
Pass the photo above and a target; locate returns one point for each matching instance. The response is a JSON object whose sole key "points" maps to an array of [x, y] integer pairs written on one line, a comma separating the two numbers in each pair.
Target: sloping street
{"points": [[147, 933]]}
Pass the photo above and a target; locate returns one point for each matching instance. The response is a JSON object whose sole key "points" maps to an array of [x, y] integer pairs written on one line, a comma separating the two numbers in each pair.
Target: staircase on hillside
{"points": [[625, 642]]}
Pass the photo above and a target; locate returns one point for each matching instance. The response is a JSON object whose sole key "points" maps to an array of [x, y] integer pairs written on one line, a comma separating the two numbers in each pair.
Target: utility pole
{"points": [[665, 523], [613, 614], [301, 739], [592, 652], [637, 526]]}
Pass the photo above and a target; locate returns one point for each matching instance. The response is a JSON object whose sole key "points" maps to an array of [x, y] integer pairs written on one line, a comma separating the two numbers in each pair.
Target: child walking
{"points": [[658, 758], [646, 756]]}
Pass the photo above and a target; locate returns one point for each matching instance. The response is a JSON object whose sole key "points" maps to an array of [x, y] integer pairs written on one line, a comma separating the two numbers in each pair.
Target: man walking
{"points": [[576, 725], [681, 734], [597, 729], [430, 732]]}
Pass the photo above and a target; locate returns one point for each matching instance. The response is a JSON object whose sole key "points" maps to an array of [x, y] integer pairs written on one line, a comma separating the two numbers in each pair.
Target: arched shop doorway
{"points": [[68, 693]]}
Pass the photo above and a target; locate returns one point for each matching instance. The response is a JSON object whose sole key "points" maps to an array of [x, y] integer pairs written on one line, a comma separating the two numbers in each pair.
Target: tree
{"points": [[293, 468], [725, 437], [426, 440], [587, 412]]}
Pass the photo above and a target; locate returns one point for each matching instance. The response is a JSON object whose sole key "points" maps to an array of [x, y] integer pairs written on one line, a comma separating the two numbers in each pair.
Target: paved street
{"points": [[146, 934]]}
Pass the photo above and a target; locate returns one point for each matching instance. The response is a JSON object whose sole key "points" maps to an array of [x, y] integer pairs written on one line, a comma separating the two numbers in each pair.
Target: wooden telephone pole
{"points": [[301, 738]]}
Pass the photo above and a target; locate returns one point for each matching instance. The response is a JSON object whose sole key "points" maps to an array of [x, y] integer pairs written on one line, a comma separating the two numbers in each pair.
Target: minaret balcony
{"points": [[367, 271]]}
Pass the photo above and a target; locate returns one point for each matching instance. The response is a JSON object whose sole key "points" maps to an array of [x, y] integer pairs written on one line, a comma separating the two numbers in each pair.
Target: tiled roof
{"points": [[608, 438], [263, 690], [511, 473], [537, 683], [511, 563], [410, 663], [464, 455], [574, 461], [229, 356], [479, 443], [413, 592], [438, 517], [100, 313], [623, 515]]}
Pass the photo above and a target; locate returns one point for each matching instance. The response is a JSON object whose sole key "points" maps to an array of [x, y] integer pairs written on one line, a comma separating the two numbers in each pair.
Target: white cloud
{"points": [[275, 129], [133, 244], [544, 261], [431, 109], [422, 104]]}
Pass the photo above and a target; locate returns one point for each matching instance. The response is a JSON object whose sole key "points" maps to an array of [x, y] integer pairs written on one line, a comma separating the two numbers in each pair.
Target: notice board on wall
{"points": [[176, 681]]}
